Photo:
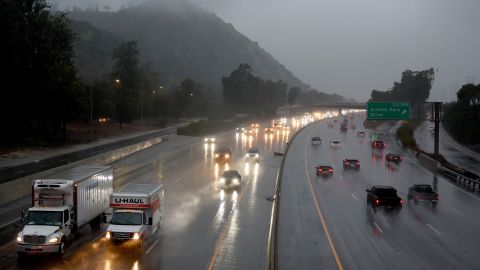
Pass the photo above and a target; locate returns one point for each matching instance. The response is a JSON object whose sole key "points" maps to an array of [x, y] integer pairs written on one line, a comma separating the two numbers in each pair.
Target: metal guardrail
{"points": [[11, 173], [459, 178]]}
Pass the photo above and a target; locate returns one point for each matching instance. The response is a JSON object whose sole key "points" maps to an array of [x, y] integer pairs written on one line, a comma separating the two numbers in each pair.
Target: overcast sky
{"points": [[353, 46]]}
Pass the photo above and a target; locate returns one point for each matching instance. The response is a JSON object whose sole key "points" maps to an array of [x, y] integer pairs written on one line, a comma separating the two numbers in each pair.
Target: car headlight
{"points": [[108, 235], [227, 156], [222, 180], [136, 236], [246, 155], [257, 155], [206, 140], [54, 240], [216, 155], [19, 239], [235, 181]]}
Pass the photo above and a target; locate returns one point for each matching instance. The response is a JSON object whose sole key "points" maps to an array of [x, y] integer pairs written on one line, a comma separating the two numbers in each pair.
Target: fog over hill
{"points": [[177, 39]]}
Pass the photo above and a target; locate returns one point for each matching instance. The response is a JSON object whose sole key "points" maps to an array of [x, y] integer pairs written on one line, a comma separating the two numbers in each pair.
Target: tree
{"points": [[41, 90], [469, 94], [126, 80]]}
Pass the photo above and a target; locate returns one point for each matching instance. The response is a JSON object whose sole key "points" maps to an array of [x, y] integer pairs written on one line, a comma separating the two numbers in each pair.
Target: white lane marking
{"points": [[9, 223], [433, 229], [178, 180], [378, 227], [456, 211], [355, 197], [153, 245]]}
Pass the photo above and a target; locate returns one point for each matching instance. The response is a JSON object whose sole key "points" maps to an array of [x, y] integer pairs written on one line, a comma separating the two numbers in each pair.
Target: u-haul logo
{"points": [[129, 200]]}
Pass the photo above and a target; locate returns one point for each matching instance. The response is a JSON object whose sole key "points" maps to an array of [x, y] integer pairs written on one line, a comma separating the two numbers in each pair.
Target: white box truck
{"points": [[137, 212], [61, 204]]}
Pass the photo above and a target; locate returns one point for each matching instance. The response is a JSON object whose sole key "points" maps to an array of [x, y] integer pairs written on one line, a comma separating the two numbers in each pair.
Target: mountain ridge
{"points": [[177, 40]]}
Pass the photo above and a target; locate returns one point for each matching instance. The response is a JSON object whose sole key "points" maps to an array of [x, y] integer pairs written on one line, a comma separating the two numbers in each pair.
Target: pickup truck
{"points": [[422, 193], [383, 196]]}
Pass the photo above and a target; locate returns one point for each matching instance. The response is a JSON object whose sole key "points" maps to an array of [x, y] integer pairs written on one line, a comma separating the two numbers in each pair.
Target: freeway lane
{"points": [[448, 148], [416, 237], [204, 227]]}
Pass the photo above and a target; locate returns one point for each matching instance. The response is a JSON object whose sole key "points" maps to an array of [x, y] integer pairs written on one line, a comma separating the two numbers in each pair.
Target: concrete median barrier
{"points": [[21, 187]]}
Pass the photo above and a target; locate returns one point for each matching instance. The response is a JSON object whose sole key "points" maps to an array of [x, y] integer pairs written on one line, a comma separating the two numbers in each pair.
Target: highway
{"points": [[451, 150], [205, 227], [324, 222]]}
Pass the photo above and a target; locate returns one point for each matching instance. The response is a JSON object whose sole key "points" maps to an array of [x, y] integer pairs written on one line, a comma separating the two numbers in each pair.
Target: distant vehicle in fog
{"points": [[422, 193], [230, 179]]}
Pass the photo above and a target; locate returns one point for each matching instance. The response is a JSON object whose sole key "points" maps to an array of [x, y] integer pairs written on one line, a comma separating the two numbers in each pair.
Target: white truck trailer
{"points": [[137, 212], [61, 204]]}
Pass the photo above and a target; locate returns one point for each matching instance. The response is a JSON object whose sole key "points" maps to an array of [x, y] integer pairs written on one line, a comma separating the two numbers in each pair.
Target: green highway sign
{"points": [[388, 110]]}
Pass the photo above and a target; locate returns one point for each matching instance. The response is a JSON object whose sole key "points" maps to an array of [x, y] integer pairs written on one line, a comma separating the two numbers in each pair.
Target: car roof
{"points": [[230, 172], [328, 166], [383, 187]]}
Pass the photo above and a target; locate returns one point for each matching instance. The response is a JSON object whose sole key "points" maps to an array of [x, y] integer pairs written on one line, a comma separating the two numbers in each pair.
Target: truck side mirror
{"points": [[104, 218], [150, 221], [23, 214]]}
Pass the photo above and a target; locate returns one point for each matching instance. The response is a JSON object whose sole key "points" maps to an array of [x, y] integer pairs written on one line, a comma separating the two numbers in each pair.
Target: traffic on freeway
{"points": [[384, 214], [187, 203]]}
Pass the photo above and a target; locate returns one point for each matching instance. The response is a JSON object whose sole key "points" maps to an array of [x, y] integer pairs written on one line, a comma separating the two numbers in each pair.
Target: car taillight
{"points": [[320, 170], [437, 197], [377, 201], [358, 162], [401, 201], [330, 170]]}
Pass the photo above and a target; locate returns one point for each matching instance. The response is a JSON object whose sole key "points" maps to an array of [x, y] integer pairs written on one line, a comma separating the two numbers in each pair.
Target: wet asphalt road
{"points": [[206, 227], [343, 233]]}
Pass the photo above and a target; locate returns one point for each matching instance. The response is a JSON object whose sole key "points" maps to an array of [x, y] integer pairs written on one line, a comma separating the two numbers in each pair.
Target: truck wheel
{"points": [[61, 248], [21, 255], [96, 223]]}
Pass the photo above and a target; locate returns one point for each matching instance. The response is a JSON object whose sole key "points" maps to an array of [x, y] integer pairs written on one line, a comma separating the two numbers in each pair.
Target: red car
{"points": [[324, 170], [393, 157], [378, 144], [351, 163]]}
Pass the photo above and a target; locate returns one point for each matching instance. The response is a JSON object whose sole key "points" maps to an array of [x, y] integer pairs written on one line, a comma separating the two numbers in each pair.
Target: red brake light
{"points": [[437, 197], [401, 201], [330, 170], [377, 201]]}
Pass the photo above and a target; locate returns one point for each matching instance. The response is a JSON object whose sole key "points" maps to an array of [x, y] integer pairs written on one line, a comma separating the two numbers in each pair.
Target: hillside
{"points": [[176, 38]]}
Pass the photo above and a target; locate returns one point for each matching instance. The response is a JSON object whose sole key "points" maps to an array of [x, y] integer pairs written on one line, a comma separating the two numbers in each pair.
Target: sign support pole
{"points": [[437, 106]]}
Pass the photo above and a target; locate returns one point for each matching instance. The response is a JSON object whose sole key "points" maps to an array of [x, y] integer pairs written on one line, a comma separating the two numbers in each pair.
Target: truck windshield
{"points": [[126, 218], [44, 218]]}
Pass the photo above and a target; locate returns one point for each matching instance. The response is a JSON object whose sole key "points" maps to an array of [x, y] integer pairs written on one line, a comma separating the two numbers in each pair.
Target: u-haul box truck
{"points": [[61, 204], [137, 212]]}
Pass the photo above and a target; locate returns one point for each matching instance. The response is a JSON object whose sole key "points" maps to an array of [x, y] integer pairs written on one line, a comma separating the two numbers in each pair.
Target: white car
{"points": [[316, 141], [253, 154], [335, 143], [209, 139]]}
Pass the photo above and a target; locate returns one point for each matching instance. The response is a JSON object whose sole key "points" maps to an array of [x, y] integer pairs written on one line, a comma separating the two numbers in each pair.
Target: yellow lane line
{"points": [[319, 212]]}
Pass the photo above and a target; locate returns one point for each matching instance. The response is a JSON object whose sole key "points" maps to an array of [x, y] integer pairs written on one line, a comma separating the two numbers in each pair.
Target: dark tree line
{"points": [[246, 93], [462, 118], [40, 91]]}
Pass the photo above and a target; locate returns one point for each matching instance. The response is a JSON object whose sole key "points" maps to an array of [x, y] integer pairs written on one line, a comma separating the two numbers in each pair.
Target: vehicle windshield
{"points": [[424, 189], [230, 174], [386, 192], [253, 151], [50, 218], [126, 218]]}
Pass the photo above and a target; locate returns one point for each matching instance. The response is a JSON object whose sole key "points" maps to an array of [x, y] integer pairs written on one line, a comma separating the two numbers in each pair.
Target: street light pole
{"points": [[91, 113], [141, 97]]}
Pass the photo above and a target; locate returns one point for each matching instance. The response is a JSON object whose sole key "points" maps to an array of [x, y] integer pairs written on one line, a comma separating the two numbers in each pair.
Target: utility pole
{"points": [[436, 118], [141, 97], [91, 113]]}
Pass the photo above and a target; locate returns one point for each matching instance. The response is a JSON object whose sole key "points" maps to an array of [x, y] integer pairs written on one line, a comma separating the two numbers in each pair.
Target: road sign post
{"points": [[388, 111]]}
